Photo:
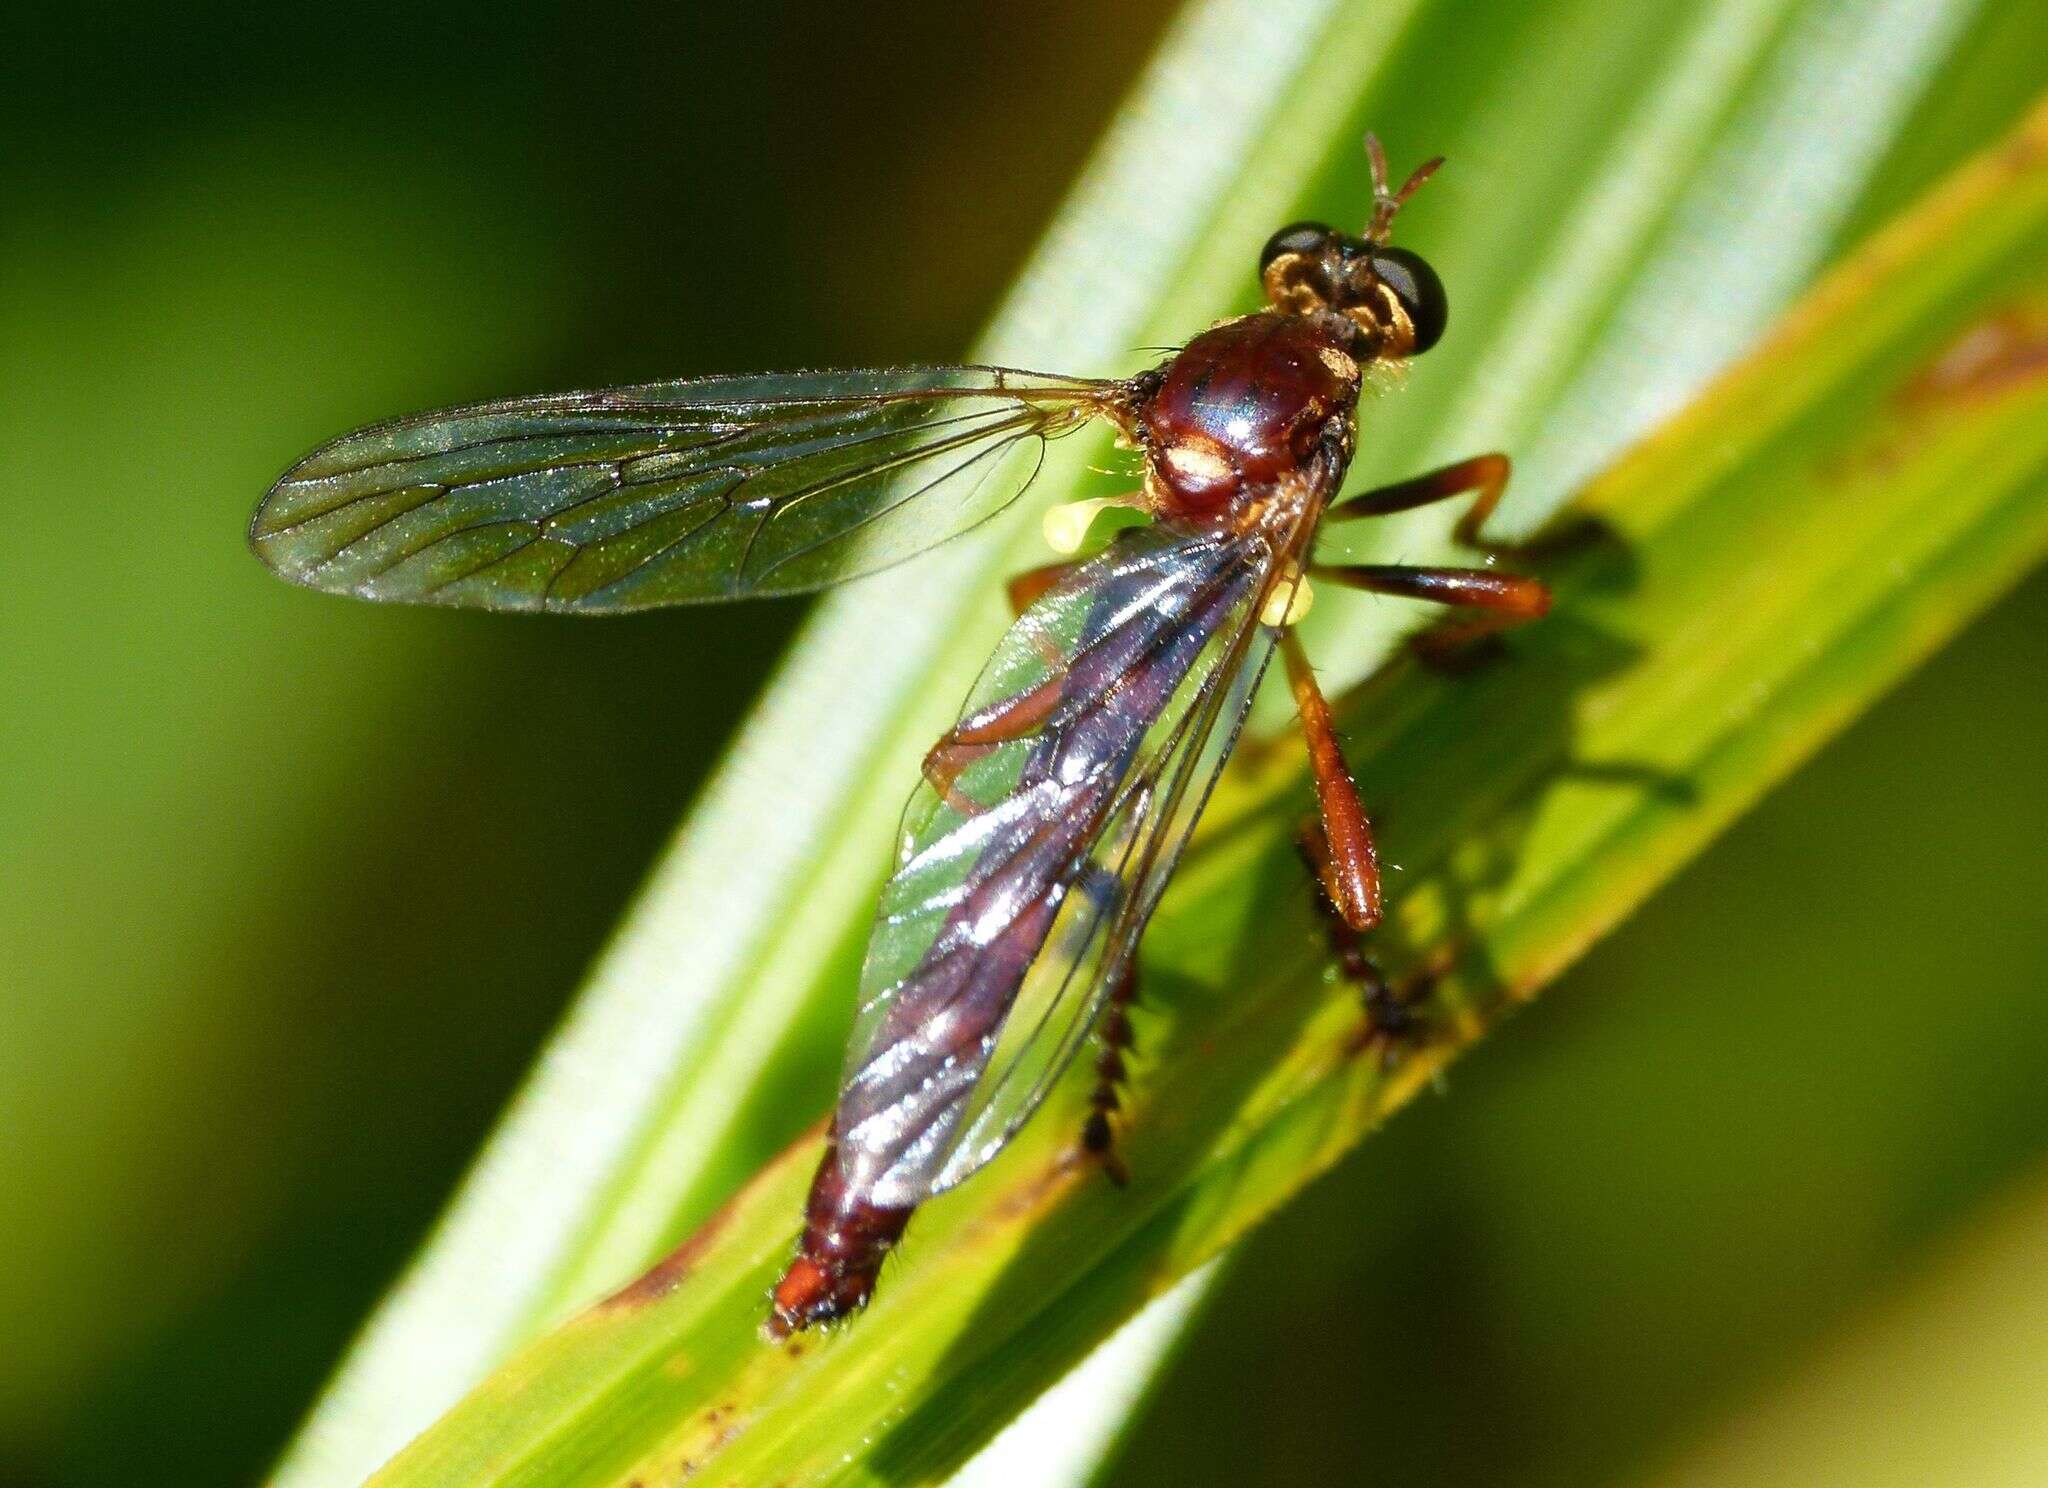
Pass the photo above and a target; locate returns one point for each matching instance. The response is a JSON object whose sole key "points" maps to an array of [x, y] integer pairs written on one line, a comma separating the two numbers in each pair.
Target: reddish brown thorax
{"points": [[1242, 405]]}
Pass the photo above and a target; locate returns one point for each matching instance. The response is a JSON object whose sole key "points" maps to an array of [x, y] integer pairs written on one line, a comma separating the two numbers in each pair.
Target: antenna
{"points": [[1386, 203]]}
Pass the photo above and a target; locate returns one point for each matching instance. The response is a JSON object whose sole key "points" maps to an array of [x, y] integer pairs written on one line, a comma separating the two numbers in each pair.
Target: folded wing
{"points": [[1028, 868]]}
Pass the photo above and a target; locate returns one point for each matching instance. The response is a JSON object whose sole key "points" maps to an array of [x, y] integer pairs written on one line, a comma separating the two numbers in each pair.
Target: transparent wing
{"points": [[668, 493], [1064, 993], [1039, 844]]}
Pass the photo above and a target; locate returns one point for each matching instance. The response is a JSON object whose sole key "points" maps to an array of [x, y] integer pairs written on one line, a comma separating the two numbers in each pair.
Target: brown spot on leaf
{"points": [[2023, 152], [666, 1274], [1037, 1192], [1993, 356]]}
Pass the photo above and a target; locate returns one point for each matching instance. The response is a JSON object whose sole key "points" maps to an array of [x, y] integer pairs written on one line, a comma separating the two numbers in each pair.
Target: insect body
{"points": [[1053, 811]]}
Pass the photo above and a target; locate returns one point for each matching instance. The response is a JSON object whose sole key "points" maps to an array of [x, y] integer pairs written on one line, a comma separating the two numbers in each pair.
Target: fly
{"points": [[1053, 812]]}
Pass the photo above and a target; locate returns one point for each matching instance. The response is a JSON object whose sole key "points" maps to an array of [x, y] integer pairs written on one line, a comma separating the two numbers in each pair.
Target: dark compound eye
{"points": [[1296, 237], [1420, 292]]}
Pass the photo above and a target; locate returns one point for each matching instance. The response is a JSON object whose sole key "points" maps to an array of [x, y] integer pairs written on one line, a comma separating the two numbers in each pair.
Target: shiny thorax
{"points": [[1244, 405]]}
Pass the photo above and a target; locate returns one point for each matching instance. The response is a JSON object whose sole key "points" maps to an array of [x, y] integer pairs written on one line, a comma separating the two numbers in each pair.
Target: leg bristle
{"points": [[1098, 1134]]}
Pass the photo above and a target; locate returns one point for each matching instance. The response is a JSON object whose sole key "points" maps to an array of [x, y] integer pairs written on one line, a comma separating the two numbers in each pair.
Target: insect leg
{"points": [[1024, 589], [1500, 599], [1016, 717], [1341, 840], [1013, 719], [1098, 1134], [1485, 474], [1391, 1019]]}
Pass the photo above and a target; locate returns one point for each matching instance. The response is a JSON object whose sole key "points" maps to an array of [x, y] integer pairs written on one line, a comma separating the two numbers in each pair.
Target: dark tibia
{"points": [[1487, 475], [841, 1252], [1502, 598], [1098, 1133]]}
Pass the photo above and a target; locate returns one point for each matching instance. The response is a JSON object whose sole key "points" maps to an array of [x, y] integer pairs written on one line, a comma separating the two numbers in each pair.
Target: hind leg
{"points": [[1098, 1132], [1340, 839], [1393, 1022]]}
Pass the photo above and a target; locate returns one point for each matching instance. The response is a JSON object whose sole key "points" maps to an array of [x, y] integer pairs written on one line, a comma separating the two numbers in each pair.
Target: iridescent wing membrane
{"points": [[668, 493], [1030, 860]]}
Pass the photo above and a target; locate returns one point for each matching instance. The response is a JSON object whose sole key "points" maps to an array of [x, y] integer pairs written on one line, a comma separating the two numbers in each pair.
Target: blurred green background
{"points": [[294, 888]]}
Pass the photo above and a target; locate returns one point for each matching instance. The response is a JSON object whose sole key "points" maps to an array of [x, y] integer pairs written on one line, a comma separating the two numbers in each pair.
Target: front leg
{"points": [[1498, 600], [1485, 475]]}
